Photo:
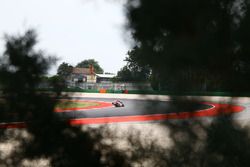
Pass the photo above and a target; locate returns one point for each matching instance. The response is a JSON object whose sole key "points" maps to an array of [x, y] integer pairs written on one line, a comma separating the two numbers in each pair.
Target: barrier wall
{"points": [[111, 86]]}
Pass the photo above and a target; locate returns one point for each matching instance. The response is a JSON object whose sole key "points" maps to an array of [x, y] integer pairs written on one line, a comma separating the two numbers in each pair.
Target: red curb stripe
{"points": [[13, 125], [218, 109]]}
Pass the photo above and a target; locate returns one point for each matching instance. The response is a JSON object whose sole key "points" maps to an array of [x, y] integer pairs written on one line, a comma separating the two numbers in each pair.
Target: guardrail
{"points": [[152, 92]]}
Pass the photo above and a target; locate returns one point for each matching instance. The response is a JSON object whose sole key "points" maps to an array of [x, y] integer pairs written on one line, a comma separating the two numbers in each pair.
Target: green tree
{"points": [[64, 70], [193, 45], [124, 74], [133, 71], [88, 62]]}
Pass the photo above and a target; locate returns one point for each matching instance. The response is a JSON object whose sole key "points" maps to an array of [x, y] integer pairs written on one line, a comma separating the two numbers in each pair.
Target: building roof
{"points": [[86, 71]]}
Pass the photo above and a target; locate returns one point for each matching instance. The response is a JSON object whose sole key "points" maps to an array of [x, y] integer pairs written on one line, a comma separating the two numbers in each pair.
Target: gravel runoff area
{"points": [[145, 132]]}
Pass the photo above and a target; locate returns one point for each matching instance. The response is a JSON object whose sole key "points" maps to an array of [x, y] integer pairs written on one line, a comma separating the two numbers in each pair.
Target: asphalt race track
{"points": [[132, 108], [146, 110], [140, 110]]}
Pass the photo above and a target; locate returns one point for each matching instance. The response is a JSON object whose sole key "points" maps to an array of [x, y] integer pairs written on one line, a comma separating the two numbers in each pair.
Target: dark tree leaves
{"points": [[134, 70], [194, 45], [64, 70]]}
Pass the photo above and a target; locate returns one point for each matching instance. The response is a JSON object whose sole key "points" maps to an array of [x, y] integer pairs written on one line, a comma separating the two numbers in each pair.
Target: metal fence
{"points": [[112, 86]]}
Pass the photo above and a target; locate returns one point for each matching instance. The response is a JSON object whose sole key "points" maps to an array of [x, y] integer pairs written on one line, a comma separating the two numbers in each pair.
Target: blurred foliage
{"points": [[22, 69], [192, 45], [49, 136], [179, 42]]}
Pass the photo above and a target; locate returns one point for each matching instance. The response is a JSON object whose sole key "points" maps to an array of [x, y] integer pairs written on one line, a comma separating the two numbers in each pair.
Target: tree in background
{"points": [[88, 62], [133, 71], [125, 74], [193, 45], [64, 70]]}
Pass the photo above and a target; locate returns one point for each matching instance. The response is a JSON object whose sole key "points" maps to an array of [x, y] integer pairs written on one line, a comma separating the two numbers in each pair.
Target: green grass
{"points": [[70, 104]]}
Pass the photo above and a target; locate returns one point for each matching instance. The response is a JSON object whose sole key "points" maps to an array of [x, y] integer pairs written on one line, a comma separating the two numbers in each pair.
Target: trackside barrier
{"points": [[125, 91], [102, 91], [112, 91], [202, 93]]}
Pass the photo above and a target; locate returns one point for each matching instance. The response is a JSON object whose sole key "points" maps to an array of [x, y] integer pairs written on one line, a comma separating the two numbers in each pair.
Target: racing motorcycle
{"points": [[118, 103]]}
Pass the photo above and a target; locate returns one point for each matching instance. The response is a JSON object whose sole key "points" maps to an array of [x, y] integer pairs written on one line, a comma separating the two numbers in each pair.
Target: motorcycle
{"points": [[118, 103]]}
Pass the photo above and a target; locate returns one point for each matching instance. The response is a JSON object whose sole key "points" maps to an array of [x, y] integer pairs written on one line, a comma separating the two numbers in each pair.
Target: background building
{"points": [[83, 75]]}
